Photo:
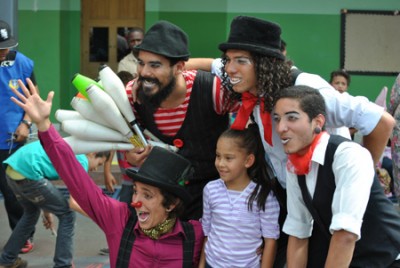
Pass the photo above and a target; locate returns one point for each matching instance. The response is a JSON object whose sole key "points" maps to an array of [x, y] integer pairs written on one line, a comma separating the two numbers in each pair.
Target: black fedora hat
{"points": [[254, 35], [165, 170], [6, 39], [167, 39]]}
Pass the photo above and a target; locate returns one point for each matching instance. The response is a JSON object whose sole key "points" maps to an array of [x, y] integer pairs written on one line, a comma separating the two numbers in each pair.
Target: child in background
{"points": [[28, 172], [340, 80], [240, 210]]}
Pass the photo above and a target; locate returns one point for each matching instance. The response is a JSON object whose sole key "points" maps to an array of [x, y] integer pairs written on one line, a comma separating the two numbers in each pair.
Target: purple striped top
{"points": [[234, 233]]}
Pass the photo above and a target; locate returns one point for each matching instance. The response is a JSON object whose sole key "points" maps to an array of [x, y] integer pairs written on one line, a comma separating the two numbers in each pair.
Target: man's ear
{"points": [[319, 121], [180, 66]]}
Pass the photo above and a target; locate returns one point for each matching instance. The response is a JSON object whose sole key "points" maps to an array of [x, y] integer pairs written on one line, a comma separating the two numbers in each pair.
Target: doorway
{"points": [[104, 25]]}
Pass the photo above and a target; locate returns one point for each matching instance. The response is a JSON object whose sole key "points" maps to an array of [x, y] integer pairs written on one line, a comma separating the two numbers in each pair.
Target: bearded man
{"points": [[181, 107]]}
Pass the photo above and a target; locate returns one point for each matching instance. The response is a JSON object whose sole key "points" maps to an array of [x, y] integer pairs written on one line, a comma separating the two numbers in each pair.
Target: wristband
{"points": [[27, 123]]}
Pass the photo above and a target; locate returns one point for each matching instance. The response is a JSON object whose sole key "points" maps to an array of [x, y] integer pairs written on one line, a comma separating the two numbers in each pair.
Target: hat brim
{"points": [[10, 43], [179, 191], [184, 57], [252, 48]]}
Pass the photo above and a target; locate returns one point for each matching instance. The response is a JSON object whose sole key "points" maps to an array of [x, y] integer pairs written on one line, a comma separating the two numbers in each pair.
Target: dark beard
{"points": [[160, 96]]}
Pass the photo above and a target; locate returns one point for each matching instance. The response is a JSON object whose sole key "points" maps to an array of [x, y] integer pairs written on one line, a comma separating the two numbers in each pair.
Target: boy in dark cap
{"points": [[15, 125], [181, 107], [257, 71]]}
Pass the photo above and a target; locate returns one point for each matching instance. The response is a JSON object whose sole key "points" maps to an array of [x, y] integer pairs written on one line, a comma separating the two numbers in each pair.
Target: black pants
{"points": [[13, 208]]}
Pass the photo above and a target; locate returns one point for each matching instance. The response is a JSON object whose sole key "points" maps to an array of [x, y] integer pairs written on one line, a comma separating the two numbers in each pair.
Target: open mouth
{"points": [[235, 81], [143, 216], [284, 141]]}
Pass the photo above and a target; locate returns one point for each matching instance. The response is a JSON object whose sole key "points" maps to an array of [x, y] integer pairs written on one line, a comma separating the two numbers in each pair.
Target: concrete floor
{"points": [[89, 239]]}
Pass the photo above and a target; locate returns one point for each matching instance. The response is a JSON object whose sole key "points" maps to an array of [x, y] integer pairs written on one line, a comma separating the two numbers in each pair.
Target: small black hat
{"points": [[165, 170], [167, 39], [6, 39], [254, 35]]}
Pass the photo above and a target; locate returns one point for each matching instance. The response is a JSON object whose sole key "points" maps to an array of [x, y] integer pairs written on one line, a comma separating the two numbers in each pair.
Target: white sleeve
{"points": [[354, 173], [216, 66], [344, 109]]}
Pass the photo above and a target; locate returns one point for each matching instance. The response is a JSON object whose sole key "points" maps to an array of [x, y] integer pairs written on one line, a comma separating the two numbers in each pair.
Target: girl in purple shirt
{"points": [[240, 211]]}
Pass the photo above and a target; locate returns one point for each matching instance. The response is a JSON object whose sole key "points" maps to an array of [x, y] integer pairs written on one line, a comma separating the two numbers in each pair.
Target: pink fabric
{"points": [[381, 98], [111, 215]]}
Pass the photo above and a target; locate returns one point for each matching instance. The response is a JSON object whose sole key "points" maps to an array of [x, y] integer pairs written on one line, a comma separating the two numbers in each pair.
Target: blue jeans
{"points": [[34, 196]]}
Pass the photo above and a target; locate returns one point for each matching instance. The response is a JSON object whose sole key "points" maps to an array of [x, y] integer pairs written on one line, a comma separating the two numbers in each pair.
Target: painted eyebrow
{"points": [[292, 112], [287, 113]]}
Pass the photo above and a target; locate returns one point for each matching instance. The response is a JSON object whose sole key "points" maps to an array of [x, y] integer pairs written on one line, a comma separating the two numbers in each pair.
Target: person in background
{"points": [[122, 44], [340, 80], [338, 215], [28, 173], [394, 109], [146, 233], [240, 207], [129, 62], [16, 125]]}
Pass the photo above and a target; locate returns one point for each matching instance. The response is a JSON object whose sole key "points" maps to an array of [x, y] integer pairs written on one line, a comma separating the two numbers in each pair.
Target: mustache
{"points": [[149, 79]]}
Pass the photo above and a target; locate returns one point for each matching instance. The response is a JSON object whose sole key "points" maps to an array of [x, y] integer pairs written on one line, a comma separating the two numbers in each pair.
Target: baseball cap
{"points": [[6, 39]]}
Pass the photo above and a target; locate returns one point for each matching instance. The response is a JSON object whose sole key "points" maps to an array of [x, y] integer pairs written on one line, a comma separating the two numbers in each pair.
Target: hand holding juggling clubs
{"points": [[103, 117], [115, 88]]}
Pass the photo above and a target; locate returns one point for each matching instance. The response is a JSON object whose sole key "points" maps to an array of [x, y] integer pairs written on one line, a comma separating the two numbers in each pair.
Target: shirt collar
{"points": [[178, 229], [319, 152]]}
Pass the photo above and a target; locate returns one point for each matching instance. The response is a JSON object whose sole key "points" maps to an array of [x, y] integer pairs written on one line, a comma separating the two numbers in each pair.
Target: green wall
{"points": [[49, 33], [313, 42]]}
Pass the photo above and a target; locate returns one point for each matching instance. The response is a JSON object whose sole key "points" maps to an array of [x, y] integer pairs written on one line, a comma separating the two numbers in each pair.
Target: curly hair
{"points": [[272, 74]]}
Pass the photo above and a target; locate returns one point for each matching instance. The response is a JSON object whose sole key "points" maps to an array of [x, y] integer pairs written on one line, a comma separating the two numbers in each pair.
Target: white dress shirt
{"points": [[354, 173]]}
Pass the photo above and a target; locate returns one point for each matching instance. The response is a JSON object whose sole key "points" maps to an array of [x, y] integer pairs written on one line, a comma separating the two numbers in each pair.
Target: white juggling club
{"points": [[113, 85], [108, 110], [87, 130], [85, 108], [84, 146], [62, 115]]}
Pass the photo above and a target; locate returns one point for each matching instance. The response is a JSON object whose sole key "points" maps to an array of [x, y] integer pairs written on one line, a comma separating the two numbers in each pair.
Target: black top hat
{"points": [[6, 39], [165, 170], [167, 39], [254, 35]]}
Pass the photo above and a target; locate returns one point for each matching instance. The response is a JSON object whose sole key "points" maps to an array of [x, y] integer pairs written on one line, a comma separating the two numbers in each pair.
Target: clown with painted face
{"points": [[338, 215], [145, 233]]}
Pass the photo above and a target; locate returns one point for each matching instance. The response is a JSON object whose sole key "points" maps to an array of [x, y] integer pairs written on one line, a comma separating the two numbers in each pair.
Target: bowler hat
{"points": [[254, 35], [6, 39], [166, 39], [165, 170]]}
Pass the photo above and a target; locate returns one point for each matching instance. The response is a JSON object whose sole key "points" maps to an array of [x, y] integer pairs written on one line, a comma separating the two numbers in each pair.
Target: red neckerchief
{"points": [[248, 103], [300, 164]]}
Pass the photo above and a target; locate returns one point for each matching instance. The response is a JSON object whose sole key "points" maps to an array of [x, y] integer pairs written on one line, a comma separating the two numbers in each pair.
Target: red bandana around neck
{"points": [[248, 103], [300, 164]]}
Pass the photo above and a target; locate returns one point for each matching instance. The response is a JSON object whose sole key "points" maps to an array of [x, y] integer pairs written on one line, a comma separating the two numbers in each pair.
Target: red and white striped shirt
{"points": [[170, 120]]}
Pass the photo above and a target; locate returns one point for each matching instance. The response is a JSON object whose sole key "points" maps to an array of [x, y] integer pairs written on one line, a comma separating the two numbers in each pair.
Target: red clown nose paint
{"points": [[136, 204]]}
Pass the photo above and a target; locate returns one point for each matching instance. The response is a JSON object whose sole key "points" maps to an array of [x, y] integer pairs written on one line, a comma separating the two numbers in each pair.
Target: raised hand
{"points": [[37, 109]]}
